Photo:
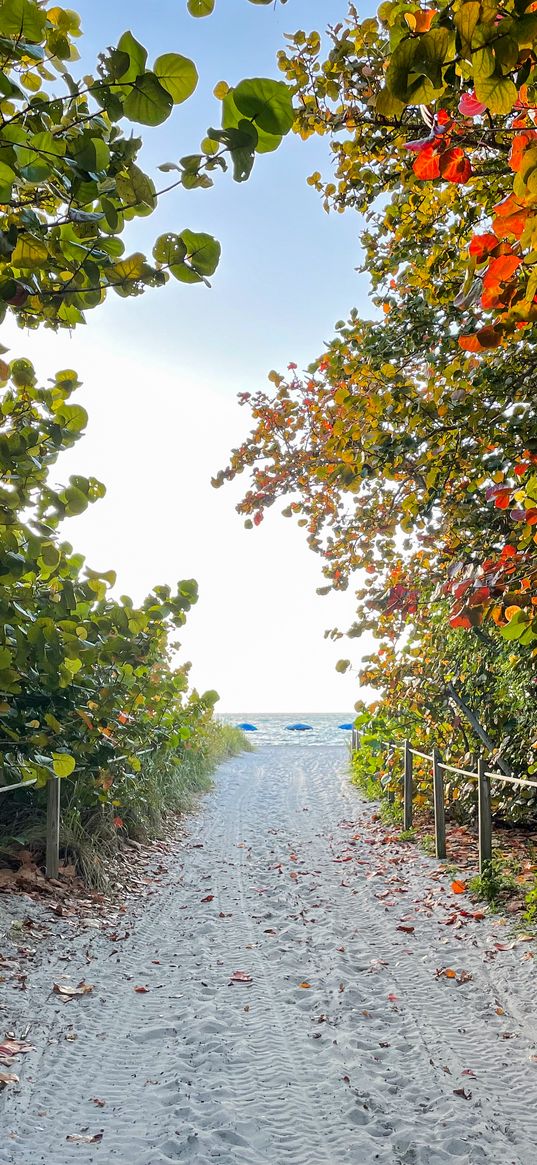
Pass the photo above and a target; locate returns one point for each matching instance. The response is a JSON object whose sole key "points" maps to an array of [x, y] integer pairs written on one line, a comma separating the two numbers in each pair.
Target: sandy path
{"points": [[361, 1067]]}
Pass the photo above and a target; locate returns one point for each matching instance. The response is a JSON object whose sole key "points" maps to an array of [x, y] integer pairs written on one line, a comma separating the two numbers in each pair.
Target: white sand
{"points": [[270, 1073]]}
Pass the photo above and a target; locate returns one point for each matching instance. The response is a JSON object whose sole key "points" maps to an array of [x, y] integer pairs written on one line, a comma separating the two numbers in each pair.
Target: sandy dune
{"points": [[379, 1060]]}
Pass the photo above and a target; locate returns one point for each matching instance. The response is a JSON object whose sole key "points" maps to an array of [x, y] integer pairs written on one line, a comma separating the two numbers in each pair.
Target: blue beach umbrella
{"points": [[349, 727], [247, 727], [299, 727]]}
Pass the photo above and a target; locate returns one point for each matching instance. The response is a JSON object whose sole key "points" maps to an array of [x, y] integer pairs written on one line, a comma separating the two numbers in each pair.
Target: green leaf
{"points": [[137, 57], [388, 105], [29, 252], [499, 94], [177, 75], [466, 20], [233, 119], [22, 19], [200, 7], [169, 249], [147, 102], [63, 764], [72, 418], [6, 658], [202, 252], [407, 81], [268, 103]]}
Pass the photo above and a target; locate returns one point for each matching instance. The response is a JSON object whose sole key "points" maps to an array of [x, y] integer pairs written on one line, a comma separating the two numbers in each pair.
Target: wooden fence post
{"points": [[439, 810], [484, 817], [53, 827], [407, 787]]}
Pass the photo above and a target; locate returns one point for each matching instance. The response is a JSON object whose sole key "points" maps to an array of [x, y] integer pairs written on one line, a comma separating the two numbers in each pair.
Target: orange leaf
{"points": [[518, 148], [304, 985], [501, 269], [470, 343], [458, 887], [424, 19], [447, 973], [510, 218], [482, 245], [427, 163]]}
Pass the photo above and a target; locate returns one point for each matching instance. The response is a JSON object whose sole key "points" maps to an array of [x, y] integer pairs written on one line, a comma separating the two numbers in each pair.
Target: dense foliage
{"points": [[88, 687], [408, 450]]}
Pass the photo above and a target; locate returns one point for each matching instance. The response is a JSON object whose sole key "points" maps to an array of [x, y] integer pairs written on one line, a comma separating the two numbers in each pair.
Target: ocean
{"points": [[272, 727]]}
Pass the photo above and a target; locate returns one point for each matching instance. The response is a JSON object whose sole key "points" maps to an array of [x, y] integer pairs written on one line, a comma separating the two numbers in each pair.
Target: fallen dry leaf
{"points": [[407, 929], [141, 990], [84, 1139], [70, 992], [8, 1078], [458, 887], [304, 984], [208, 898], [446, 973], [464, 1092], [15, 1048], [100, 1103], [241, 977], [393, 998]]}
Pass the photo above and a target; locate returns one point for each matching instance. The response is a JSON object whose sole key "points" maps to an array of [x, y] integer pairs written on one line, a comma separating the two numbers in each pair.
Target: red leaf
{"points": [[478, 597], [469, 106], [455, 166], [407, 929], [460, 621], [241, 977], [208, 898], [118, 822], [141, 990], [427, 163]]}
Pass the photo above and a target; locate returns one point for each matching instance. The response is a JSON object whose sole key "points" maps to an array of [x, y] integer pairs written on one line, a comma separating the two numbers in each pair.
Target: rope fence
{"points": [[481, 775]]}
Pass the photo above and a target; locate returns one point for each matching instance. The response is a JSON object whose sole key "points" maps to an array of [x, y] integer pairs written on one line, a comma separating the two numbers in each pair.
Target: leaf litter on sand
{"points": [[240, 977], [84, 1138], [67, 992], [8, 1078], [11, 1048]]}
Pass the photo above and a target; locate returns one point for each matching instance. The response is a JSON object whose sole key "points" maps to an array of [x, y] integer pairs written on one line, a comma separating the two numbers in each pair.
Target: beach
{"points": [[299, 987]]}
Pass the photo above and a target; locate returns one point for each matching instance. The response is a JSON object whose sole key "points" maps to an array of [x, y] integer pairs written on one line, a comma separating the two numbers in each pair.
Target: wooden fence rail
{"points": [[483, 780], [53, 813], [53, 821]]}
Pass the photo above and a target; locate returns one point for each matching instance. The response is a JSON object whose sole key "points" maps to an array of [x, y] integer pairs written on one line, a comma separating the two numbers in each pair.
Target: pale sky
{"points": [[161, 374]]}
